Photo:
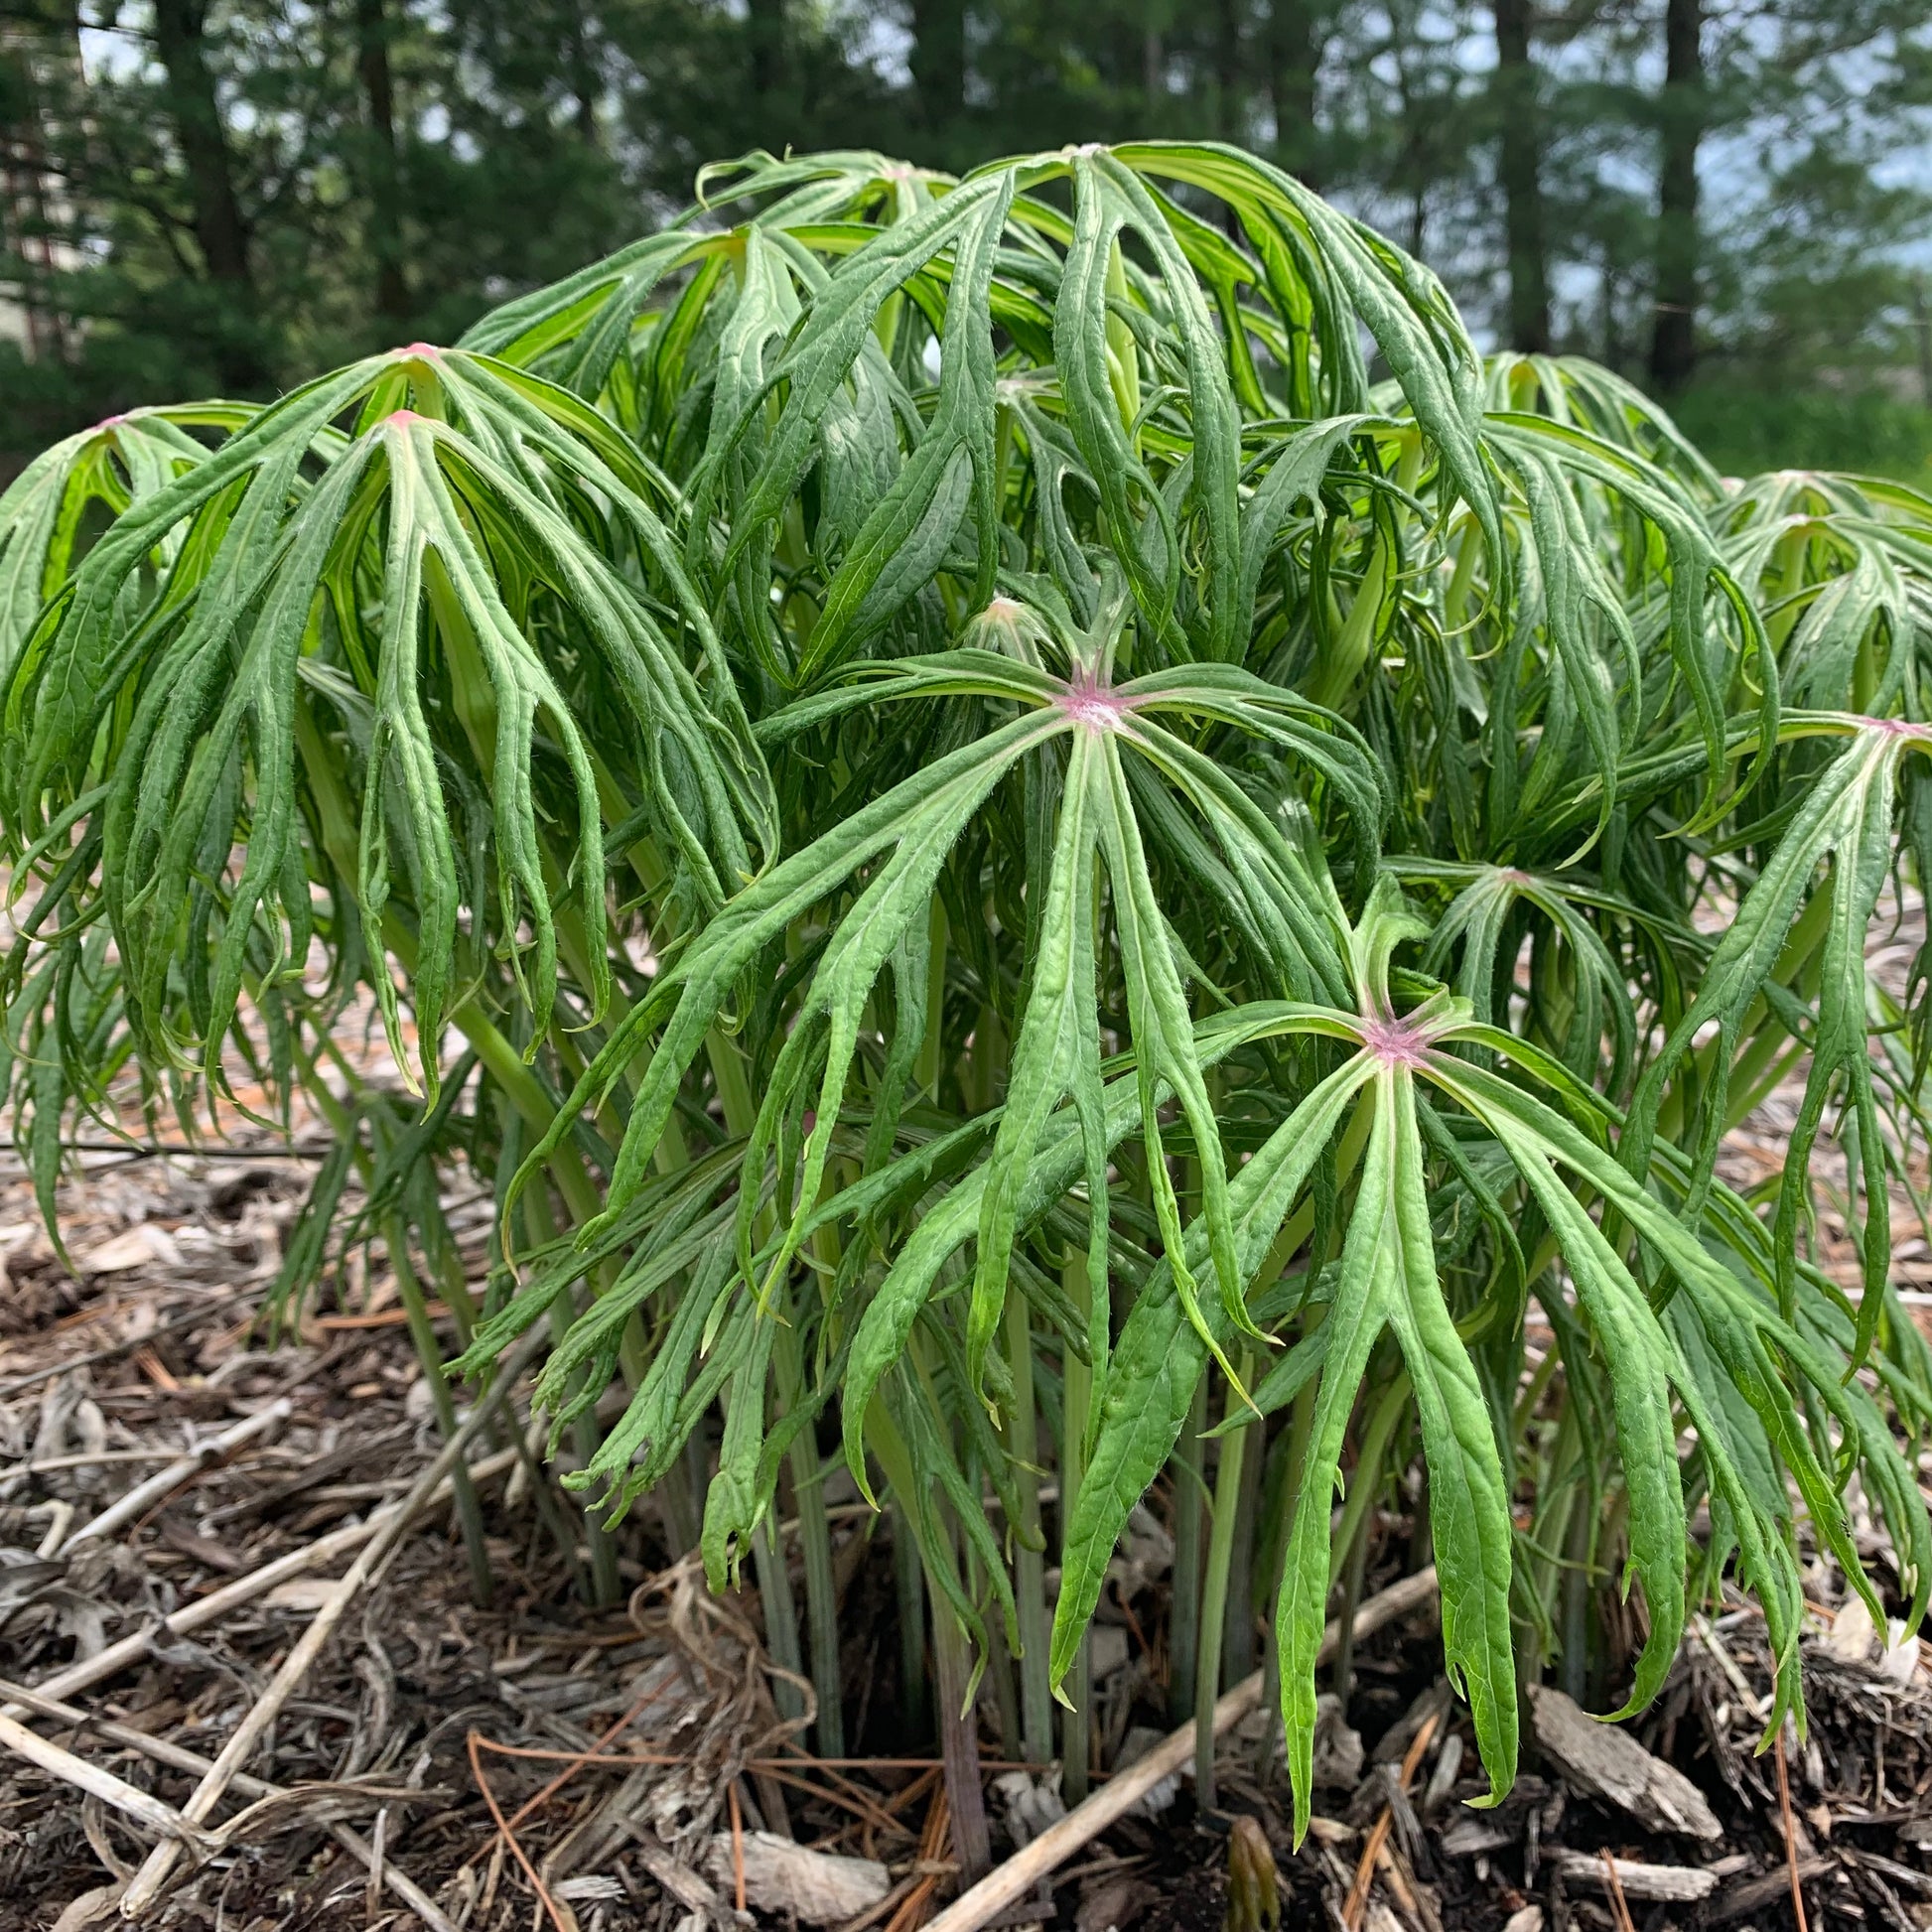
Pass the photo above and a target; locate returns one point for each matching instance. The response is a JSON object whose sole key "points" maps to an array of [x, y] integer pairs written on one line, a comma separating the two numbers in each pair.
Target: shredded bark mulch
{"points": [[537, 1758]]}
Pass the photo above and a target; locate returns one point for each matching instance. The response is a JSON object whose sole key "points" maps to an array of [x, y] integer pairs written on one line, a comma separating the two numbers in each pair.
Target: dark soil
{"points": [[143, 1346]]}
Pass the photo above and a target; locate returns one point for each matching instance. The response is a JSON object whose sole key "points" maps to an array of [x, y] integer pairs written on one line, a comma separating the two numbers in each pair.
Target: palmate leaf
{"points": [[1552, 459], [220, 681], [978, 254], [1845, 816], [911, 529], [94, 475], [1389, 1276], [1843, 568], [879, 712], [1571, 390], [1580, 991], [918, 823]]}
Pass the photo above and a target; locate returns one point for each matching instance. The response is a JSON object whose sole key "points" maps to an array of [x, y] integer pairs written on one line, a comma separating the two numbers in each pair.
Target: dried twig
{"points": [[891, 1902], [141, 1806], [506, 1834], [738, 1846], [180, 1758], [912, 1908], [144, 1887], [86, 1672], [1618, 1903], [1790, 1831], [87, 1459], [786, 1770], [1378, 1838], [1124, 1789], [165, 1481], [573, 1762]]}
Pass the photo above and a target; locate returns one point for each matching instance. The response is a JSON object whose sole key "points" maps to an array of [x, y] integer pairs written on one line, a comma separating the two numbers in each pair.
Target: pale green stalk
{"points": [[815, 1539], [909, 1578], [1216, 1595], [585, 1438], [801, 1458], [780, 1620], [1238, 1644], [1076, 1691], [1184, 1625], [1030, 1562], [952, 1663], [409, 1291]]}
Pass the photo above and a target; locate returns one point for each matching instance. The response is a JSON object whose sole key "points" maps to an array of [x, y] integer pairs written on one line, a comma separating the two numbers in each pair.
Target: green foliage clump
{"points": [[995, 802]]}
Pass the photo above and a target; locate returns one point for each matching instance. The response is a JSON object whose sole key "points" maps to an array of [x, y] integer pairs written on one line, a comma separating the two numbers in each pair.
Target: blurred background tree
{"points": [[1726, 201]]}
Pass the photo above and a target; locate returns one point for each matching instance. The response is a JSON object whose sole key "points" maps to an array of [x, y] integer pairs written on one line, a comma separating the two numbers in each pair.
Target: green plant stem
{"points": [[1189, 1492], [999, 1660], [1351, 1547], [1575, 1595], [815, 1541], [781, 1619], [584, 1435], [959, 1746], [735, 1101], [1238, 1644], [456, 1295], [909, 1578], [1076, 1400], [1030, 1563], [1214, 1602], [951, 1651], [1333, 678], [1534, 1389], [409, 1290]]}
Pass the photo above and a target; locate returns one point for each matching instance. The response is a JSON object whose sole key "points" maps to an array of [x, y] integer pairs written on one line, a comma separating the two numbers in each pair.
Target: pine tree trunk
{"points": [[1521, 159], [584, 79], [221, 228], [938, 61], [1295, 46], [1673, 345], [385, 174], [765, 29], [1227, 70]]}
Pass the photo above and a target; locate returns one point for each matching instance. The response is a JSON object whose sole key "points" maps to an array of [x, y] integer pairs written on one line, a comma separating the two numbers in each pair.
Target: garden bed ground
{"points": [[429, 1722], [407, 1729]]}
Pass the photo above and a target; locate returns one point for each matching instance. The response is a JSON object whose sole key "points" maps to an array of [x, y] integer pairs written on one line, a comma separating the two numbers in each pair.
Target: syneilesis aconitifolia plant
{"points": [[1024, 856]]}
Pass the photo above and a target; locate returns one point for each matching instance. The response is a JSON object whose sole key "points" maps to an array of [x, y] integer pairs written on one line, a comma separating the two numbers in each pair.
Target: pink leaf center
{"points": [[1395, 1043], [1094, 706]]}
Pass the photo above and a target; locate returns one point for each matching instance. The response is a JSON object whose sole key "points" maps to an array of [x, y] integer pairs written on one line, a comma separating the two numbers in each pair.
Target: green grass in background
{"points": [[1747, 429]]}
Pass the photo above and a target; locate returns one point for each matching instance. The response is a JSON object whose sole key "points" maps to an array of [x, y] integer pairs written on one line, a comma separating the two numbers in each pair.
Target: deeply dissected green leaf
{"points": [[894, 718]]}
